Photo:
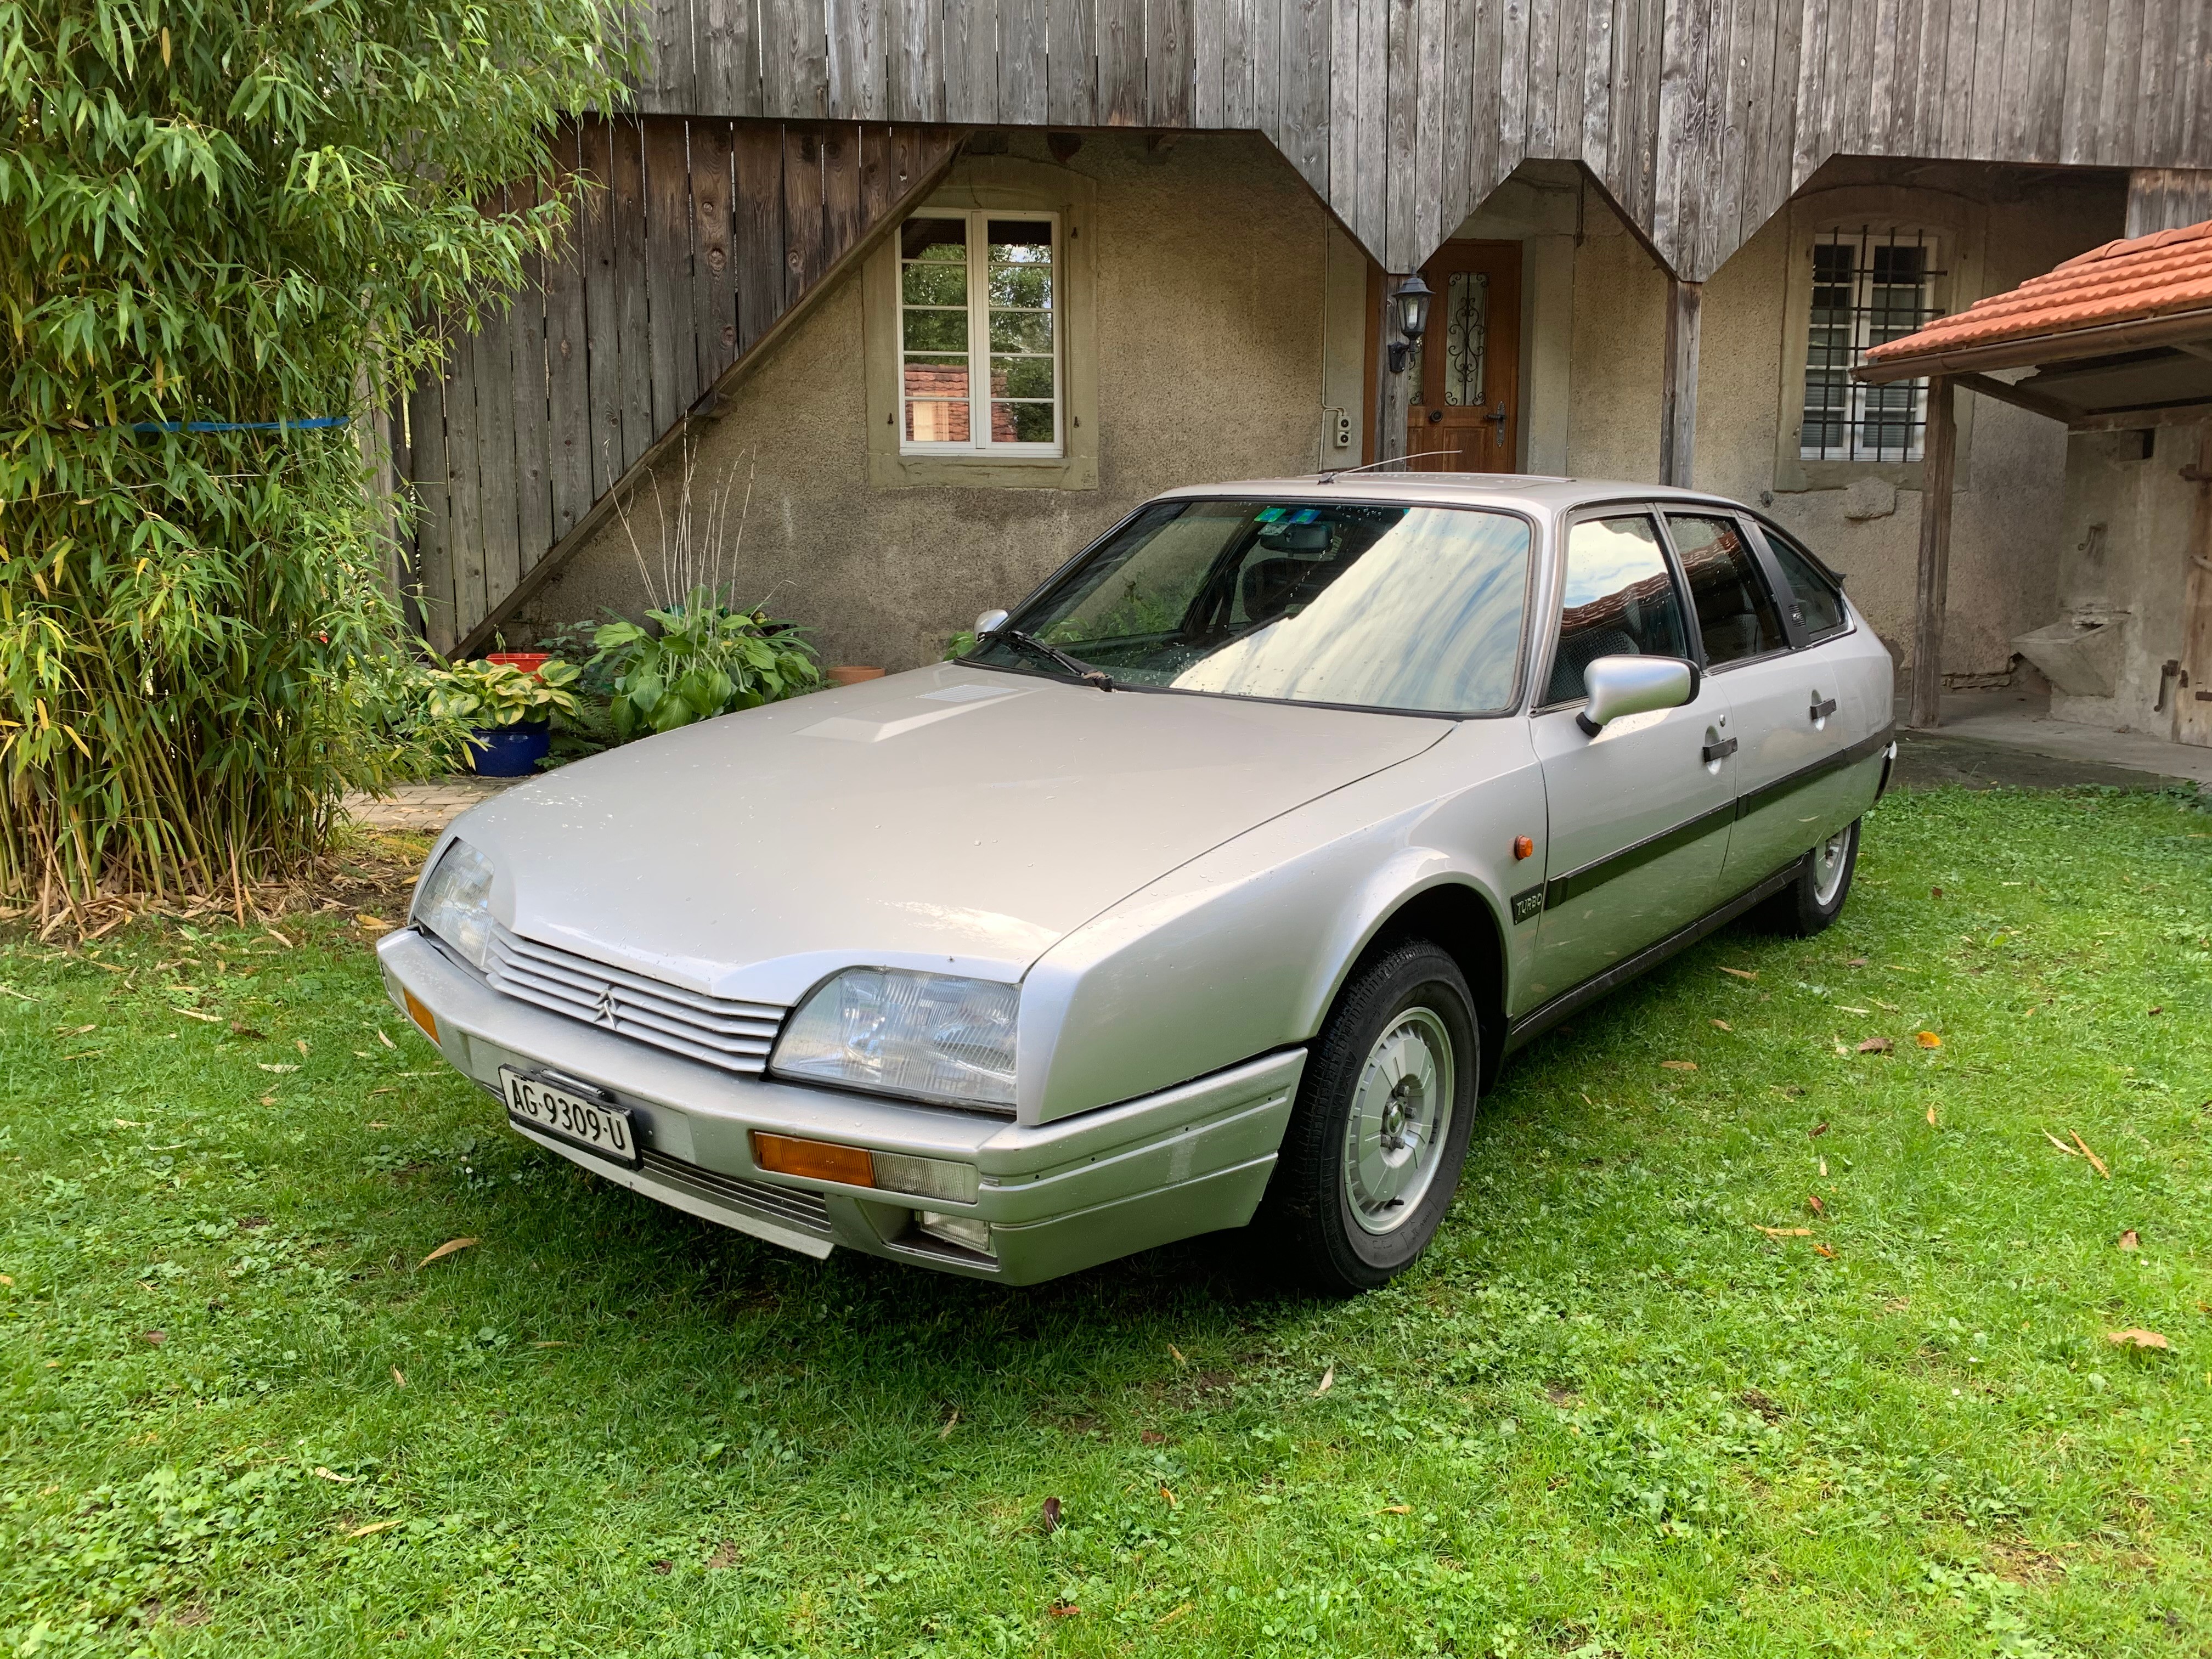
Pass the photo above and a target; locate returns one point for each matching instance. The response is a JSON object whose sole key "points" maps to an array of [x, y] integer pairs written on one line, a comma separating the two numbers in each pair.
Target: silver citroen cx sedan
{"points": [[1210, 888]]}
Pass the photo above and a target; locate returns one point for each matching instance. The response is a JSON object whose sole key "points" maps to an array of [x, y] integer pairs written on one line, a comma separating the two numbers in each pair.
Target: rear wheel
{"points": [[1372, 1154], [1823, 883]]}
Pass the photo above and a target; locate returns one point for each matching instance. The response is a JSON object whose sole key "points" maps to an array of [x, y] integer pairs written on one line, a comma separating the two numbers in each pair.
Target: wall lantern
{"points": [[1409, 306]]}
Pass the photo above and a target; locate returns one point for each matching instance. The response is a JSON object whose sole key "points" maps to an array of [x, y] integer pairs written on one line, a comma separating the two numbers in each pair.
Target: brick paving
{"points": [[424, 808]]}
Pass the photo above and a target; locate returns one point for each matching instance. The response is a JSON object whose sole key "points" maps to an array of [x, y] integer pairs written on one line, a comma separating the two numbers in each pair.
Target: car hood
{"points": [[950, 819]]}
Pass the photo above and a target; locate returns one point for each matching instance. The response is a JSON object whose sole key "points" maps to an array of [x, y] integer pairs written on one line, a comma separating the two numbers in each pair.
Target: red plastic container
{"points": [[528, 661]]}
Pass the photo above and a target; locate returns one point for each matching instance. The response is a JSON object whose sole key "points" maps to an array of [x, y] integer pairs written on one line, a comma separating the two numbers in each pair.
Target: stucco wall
{"points": [[1211, 263], [2006, 516]]}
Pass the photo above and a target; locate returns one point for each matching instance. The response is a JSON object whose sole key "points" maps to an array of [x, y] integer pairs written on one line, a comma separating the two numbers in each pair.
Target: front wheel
{"points": [[1823, 883], [1372, 1154]]}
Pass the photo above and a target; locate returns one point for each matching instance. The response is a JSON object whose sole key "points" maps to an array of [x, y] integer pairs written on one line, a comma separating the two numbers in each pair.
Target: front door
{"points": [[1467, 413]]}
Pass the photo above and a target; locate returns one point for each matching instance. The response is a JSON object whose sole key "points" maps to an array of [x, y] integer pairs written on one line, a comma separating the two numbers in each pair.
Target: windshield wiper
{"points": [[1036, 647]]}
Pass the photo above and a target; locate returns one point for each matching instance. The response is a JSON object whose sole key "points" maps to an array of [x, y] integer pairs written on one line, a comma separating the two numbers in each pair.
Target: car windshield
{"points": [[1413, 608]]}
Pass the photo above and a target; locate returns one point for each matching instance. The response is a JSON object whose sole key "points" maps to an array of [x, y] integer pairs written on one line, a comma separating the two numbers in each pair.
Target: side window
{"points": [[1619, 600], [1736, 616], [1814, 604], [979, 341]]}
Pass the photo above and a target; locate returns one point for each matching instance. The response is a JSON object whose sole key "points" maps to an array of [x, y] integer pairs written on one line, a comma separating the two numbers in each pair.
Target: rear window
{"points": [[1816, 605]]}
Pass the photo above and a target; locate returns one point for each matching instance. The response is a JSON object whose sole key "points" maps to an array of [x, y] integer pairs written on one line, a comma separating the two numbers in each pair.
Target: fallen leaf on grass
{"points": [[1396, 1509], [1826, 1249], [1174, 1503], [1785, 1232], [300, 1043], [1856, 962], [247, 1032], [1931, 1117], [445, 1250], [1049, 1516], [1823, 1169], [1723, 1025], [267, 1066], [373, 1526], [1060, 1609], [1679, 1065], [1152, 1437], [1934, 892], [154, 1337], [2095, 1163], [1929, 1040], [1818, 1129], [278, 936], [1171, 1615], [2060, 1144], [322, 1473], [550, 1345], [385, 1040], [1876, 1046], [951, 1423], [19, 995], [372, 925], [1742, 973], [2140, 1339], [2157, 1011], [74, 1030], [1181, 1363], [205, 1019], [725, 1555], [1813, 1203], [8, 1279], [1847, 1008], [398, 1377], [1891, 1006], [2130, 1241]]}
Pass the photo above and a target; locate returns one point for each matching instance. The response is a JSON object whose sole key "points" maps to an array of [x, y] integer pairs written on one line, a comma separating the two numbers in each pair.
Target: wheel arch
{"points": [[1459, 918]]}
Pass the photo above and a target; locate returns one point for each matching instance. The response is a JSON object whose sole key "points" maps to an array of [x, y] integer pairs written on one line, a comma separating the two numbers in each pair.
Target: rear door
{"points": [[1639, 814], [1762, 650]]}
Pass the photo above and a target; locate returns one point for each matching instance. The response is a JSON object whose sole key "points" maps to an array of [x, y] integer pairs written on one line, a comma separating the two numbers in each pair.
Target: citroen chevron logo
{"points": [[604, 1011]]}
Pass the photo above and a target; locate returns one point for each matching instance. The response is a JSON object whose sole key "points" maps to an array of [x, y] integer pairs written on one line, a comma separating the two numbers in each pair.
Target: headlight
{"points": [[930, 1037], [455, 902]]}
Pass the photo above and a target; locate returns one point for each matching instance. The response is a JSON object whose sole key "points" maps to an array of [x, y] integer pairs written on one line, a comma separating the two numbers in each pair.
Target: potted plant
{"points": [[697, 659], [508, 712]]}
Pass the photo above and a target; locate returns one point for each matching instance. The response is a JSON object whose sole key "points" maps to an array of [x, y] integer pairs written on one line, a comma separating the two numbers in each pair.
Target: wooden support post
{"points": [[1938, 455], [1678, 400]]}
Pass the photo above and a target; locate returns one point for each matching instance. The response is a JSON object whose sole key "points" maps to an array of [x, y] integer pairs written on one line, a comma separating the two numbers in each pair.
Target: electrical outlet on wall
{"points": [[1340, 427]]}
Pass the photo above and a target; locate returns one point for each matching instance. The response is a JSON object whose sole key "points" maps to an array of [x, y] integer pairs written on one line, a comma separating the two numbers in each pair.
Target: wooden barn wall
{"points": [[1700, 117], [702, 235]]}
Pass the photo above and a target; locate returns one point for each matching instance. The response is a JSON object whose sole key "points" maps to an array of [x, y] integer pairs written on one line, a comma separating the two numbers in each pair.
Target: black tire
{"points": [[1799, 909], [1308, 1217]]}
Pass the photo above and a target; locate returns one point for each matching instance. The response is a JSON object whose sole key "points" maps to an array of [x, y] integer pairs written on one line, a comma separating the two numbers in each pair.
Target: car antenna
{"points": [[1334, 472]]}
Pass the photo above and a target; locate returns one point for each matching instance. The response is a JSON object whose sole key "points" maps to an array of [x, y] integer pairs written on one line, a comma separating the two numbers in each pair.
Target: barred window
{"points": [[979, 341], [1869, 286]]}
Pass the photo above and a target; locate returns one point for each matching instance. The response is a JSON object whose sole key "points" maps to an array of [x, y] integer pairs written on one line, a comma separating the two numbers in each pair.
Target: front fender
{"points": [[1242, 951]]}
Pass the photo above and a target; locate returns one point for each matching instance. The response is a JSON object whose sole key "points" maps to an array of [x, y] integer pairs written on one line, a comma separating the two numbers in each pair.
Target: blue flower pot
{"points": [[510, 751]]}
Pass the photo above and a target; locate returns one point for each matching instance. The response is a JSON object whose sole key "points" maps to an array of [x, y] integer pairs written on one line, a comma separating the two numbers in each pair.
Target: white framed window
{"points": [[1869, 285], [980, 346]]}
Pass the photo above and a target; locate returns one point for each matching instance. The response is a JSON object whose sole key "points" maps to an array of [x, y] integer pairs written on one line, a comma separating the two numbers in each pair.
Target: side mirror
{"points": [[990, 621], [1634, 685]]}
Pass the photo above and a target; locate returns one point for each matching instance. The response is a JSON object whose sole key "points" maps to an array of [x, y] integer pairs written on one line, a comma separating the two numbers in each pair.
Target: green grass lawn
{"points": [[1625, 1406]]}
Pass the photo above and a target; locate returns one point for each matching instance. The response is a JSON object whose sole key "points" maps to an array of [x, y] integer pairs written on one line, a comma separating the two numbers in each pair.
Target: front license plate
{"points": [[597, 1125]]}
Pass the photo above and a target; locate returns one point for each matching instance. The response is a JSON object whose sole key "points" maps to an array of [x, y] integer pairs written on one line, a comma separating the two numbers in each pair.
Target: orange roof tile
{"points": [[2155, 275]]}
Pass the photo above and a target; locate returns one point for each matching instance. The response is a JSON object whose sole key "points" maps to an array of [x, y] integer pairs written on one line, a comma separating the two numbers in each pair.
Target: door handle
{"points": [[1823, 708], [1720, 751], [1498, 416]]}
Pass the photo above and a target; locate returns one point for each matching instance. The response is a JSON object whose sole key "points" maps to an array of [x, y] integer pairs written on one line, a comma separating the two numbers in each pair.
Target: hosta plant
{"points": [[481, 694], [697, 659]]}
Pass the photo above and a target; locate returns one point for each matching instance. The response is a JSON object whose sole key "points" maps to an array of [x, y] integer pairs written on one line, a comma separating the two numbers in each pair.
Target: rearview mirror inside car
{"points": [[1619, 686]]}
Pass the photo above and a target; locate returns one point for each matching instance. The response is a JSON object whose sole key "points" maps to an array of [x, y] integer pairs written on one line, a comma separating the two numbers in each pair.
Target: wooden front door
{"points": [[1466, 416]]}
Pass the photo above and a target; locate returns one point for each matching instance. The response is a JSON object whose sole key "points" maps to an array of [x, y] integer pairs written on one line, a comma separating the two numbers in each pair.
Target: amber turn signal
{"points": [[422, 1016], [1524, 847], [818, 1160]]}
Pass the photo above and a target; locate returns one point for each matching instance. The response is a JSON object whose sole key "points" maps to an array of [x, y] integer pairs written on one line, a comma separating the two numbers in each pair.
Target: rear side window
{"points": [[1736, 614], [1815, 605], [1619, 600]]}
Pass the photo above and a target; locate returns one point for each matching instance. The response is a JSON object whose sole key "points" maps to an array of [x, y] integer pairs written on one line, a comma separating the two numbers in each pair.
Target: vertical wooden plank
{"points": [[1987, 107], [1370, 172], [1683, 158], [603, 285], [841, 223], [1939, 450], [1758, 198], [1121, 61], [527, 382], [2043, 129], [1306, 45], [1958, 104], [1513, 84], [498, 492], [756, 241], [2086, 37], [1460, 194], [1487, 160], [916, 91], [1428, 161], [713, 284], [1567, 120], [1597, 88], [2118, 97], [1025, 34], [1402, 104], [1677, 397], [1236, 87], [727, 70], [964, 20], [465, 526], [1343, 97], [1209, 21], [1072, 97], [1168, 62], [633, 323], [1540, 76], [1779, 154], [671, 85], [876, 193], [2158, 136], [569, 407], [805, 254], [1268, 66], [1731, 74], [432, 478], [674, 349]]}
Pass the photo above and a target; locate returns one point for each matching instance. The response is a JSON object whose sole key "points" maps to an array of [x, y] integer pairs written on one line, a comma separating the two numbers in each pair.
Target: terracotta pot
{"points": [[528, 661], [850, 675]]}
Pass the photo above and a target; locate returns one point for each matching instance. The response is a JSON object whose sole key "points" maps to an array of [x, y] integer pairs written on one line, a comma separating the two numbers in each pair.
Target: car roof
{"points": [[1526, 492]]}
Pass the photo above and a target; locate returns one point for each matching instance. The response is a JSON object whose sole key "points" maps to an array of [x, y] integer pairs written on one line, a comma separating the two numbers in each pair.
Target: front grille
{"points": [[791, 1206], [733, 1036]]}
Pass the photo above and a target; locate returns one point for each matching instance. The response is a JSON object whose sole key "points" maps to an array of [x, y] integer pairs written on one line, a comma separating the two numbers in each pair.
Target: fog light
{"points": [[925, 1178], [426, 1021], [965, 1230]]}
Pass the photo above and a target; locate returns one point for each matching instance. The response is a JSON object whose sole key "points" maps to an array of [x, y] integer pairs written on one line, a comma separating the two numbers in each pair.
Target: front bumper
{"points": [[1059, 1197]]}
